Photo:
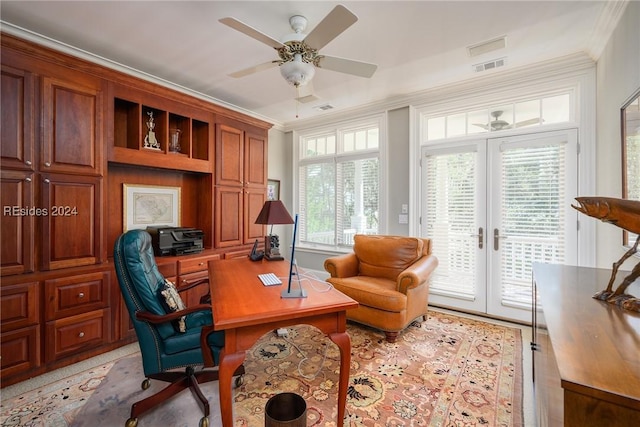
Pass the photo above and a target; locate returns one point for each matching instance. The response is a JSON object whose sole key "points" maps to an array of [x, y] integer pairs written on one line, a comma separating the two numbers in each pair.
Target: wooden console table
{"points": [[246, 310], [586, 353]]}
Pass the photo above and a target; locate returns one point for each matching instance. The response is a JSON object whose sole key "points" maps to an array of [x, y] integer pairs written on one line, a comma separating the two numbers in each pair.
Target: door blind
{"points": [[533, 223], [450, 200]]}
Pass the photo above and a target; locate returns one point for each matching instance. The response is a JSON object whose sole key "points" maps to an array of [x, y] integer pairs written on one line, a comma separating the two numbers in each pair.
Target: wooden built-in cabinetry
{"points": [[586, 352], [73, 133]]}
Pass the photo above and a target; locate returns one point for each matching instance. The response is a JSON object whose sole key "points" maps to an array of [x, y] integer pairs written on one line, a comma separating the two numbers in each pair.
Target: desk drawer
{"points": [[68, 296], [195, 264], [77, 333]]}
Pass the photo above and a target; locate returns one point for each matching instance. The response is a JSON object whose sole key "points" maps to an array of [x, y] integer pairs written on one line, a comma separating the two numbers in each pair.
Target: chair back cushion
{"points": [[386, 256], [139, 278]]}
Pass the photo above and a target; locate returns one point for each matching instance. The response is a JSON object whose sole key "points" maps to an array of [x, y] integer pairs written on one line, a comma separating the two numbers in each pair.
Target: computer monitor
{"points": [[293, 269]]}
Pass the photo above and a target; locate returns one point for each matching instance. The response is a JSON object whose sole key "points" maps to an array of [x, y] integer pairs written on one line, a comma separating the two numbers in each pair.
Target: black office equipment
{"points": [[176, 240], [255, 254]]}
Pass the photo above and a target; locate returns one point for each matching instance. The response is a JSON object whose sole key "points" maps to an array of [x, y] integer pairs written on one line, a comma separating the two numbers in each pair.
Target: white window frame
{"points": [[339, 129]]}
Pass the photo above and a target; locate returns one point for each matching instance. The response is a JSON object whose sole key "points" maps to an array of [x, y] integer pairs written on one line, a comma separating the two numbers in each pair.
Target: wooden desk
{"points": [[586, 353], [246, 310]]}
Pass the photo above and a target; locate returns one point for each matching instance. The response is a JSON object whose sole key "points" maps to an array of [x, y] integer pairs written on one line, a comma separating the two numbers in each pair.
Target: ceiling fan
{"points": [[298, 55], [499, 124]]}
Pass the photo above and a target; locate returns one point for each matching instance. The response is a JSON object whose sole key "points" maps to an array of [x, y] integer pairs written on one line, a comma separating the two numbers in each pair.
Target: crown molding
{"points": [[606, 24], [48, 42]]}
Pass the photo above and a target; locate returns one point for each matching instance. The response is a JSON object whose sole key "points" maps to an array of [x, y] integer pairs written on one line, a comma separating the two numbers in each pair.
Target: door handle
{"points": [[496, 239], [480, 237]]}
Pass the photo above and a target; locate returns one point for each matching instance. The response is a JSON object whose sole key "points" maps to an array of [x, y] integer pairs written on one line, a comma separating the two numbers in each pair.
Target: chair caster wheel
{"points": [[131, 422], [204, 422], [239, 380], [145, 384]]}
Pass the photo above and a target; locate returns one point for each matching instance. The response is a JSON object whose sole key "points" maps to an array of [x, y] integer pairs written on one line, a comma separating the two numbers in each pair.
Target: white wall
{"points": [[618, 77]]}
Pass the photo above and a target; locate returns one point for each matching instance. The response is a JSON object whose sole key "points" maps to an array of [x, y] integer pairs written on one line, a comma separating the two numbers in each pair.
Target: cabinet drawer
{"points": [[77, 333], [195, 264], [19, 306], [19, 351], [68, 296]]}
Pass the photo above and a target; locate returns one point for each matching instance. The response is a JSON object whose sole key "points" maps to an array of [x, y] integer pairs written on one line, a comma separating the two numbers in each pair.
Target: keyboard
{"points": [[269, 279]]}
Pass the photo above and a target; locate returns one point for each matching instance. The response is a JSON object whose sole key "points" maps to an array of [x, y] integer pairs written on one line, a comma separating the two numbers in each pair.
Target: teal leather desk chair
{"points": [[163, 345]]}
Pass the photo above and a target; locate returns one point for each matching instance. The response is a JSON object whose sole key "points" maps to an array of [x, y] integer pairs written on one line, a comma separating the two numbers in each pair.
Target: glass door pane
{"points": [[453, 218]]}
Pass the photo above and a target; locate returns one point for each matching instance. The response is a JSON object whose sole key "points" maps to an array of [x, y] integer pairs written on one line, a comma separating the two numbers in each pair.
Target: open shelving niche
{"points": [[130, 129]]}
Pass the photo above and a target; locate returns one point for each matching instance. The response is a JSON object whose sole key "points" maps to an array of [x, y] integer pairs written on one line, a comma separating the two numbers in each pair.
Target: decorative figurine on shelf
{"points": [[174, 146], [150, 140], [625, 214]]}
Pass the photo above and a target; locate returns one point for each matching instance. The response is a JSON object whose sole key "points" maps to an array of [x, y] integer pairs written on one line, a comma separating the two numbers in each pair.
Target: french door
{"points": [[492, 207]]}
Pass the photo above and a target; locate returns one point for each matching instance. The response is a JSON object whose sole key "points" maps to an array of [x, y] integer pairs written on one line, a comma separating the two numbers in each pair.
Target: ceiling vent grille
{"points": [[489, 65], [323, 107]]}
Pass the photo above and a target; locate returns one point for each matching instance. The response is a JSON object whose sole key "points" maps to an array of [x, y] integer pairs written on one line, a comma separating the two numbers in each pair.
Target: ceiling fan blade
{"points": [[251, 32], [348, 66], [338, 20], [254, 69], [485, 127]]}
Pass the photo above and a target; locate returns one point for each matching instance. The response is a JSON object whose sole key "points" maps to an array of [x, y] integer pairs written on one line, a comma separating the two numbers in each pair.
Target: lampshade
{"points": [[274, 212]]}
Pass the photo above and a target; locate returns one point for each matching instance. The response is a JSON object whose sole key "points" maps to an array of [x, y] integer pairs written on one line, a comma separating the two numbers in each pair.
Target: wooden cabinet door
{"points": [[229, 217], [255, 161], [17, 118], [229, 156], [18, 219], [71, 230], [72, 126], [253, 202]]}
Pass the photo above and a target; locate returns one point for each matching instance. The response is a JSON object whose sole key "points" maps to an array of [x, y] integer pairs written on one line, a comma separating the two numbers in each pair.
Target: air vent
{"points": [[323, 107], [488, 46], [490, 65]]}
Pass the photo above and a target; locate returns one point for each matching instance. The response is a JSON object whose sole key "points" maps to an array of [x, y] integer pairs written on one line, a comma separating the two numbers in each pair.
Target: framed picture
{"points": [[273, 189], [150, 205], [630, 117]]}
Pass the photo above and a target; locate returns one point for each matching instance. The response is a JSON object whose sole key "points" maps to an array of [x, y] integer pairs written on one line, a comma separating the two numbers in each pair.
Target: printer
{"points": [[175, 240]]}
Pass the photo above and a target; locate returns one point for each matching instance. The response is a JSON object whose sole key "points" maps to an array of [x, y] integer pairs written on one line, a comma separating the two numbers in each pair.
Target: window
{"points": [[338, 184], [526, 113]]}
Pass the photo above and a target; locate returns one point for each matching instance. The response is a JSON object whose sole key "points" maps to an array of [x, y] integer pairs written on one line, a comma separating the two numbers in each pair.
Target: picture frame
{"points": [[630, 133], [273, 189], [150, 206]]}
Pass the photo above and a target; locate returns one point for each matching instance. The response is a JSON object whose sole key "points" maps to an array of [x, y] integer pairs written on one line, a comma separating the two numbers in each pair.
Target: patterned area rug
{"points": [[447, 371]]}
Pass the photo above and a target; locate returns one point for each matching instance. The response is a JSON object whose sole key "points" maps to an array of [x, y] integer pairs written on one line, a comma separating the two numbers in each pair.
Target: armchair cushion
{"points": [[373, 254], [172, 301]]}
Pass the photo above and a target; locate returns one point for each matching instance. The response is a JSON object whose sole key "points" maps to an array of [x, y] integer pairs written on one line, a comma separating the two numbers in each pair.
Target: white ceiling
{"points": [[416, 44]]}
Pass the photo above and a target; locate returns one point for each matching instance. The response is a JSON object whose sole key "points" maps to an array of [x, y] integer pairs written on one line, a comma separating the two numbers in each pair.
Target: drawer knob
{"points": [[47, 164], [81, 334], [27, 162], [81, 295], [202, 263]]}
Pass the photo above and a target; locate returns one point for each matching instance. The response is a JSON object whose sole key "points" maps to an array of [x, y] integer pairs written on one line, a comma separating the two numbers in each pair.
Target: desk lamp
{"points": [[273, 212]]}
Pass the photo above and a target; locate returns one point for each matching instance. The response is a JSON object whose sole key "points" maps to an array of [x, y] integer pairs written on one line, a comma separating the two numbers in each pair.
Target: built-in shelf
{"points": [[143, 133]]}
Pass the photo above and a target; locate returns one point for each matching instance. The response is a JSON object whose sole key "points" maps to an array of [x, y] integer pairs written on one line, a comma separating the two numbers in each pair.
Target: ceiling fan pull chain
{"points": [[297, 99]]}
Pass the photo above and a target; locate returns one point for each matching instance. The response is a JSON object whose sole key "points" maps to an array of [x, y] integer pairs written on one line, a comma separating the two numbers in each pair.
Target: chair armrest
{"points": [[145, 316], [342, 265], [417, 273]]}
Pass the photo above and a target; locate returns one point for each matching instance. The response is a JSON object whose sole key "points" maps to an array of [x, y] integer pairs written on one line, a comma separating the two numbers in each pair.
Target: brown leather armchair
{"points": [[388, 276]]}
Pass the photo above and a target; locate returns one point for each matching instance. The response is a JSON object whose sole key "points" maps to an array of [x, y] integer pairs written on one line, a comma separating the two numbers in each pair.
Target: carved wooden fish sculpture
{"points": [[625, 214]]}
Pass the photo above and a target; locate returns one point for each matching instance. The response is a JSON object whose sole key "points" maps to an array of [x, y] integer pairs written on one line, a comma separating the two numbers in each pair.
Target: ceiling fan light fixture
{"points": [[297, 72]]}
